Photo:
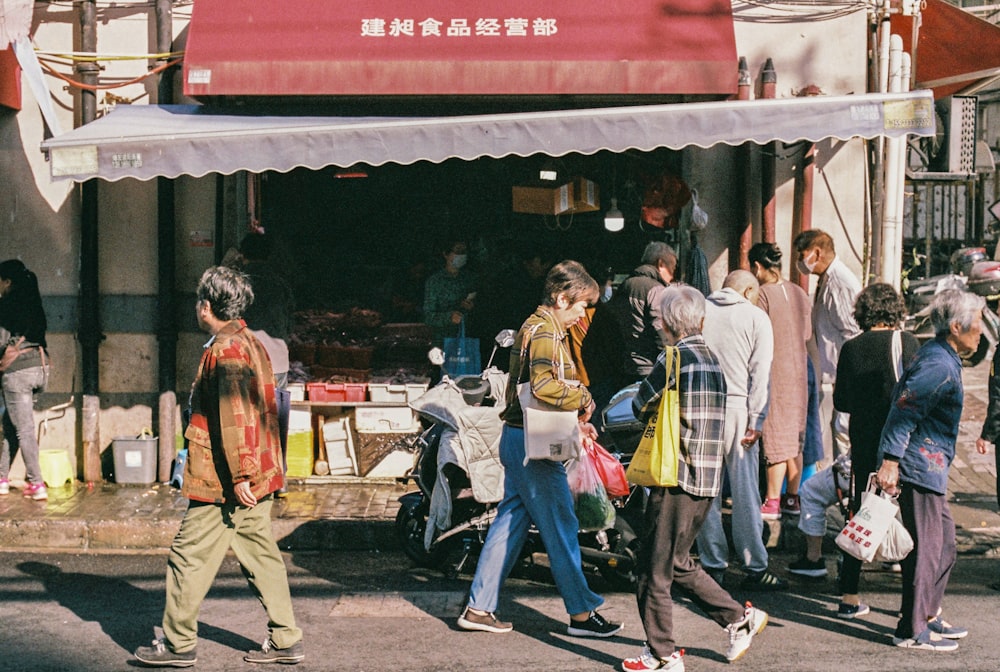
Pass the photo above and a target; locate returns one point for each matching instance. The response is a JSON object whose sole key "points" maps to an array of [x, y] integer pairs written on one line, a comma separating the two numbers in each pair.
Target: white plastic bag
{"points": [[699, 218], [897, 543]]}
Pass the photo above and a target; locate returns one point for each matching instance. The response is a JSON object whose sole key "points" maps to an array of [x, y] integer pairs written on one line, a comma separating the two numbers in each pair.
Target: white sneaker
{"points": [[4, 487], [647, 661], [741, 632], [926, 641]]}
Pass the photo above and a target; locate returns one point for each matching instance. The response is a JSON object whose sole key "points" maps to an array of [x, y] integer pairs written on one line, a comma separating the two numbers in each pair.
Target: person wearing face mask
{"points": [[833, 324], [449, 294]]}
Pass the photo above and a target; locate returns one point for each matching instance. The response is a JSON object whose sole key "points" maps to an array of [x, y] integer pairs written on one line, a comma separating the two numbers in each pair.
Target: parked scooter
{"points": [[443, 524], [971, 272]]}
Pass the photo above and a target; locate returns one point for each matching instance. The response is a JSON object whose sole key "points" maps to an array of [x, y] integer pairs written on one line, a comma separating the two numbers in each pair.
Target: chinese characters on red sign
{"points": [[430, 27]]}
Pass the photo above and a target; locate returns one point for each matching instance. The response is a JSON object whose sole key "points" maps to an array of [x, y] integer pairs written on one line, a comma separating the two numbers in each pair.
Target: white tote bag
{"points": [[866, 530], [550, 432]]}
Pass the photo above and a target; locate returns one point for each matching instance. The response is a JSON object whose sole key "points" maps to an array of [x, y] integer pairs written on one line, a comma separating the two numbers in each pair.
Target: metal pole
{"points": [[166, 274], [90, 335]]}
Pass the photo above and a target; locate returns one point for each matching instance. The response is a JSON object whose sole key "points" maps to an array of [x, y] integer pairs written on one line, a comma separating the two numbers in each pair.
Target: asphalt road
{"points": [[374, 611]]}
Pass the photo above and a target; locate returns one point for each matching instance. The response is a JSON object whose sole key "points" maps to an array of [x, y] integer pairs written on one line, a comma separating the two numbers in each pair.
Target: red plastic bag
{"points": [[609, 469]]}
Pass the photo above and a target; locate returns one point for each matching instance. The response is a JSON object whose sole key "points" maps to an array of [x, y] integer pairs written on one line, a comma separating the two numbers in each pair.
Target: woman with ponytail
{"points": [[25, 369]]}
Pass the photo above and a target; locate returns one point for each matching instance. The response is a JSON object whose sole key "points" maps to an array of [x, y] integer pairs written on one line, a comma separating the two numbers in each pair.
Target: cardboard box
{"points": [[543, 199], [586, 195]]}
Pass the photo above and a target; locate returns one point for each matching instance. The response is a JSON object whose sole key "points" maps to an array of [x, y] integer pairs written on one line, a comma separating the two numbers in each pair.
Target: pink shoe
{"points": [[36, 491], [770, 509]]}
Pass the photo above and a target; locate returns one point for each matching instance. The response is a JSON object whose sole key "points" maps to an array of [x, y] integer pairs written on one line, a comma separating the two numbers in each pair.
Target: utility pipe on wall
{"points": [[90, 335], [899, 179], [745, 233], [880, 84], [769, 85], [803, 207], [893, 191]]}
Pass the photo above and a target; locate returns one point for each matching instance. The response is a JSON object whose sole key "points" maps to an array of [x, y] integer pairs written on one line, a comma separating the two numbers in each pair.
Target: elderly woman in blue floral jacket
{"points": [[917, 449]]}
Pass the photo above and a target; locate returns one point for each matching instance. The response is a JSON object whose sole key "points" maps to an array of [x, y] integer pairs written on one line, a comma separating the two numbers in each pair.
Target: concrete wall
{"points": [[39, 219], [809, 46]]}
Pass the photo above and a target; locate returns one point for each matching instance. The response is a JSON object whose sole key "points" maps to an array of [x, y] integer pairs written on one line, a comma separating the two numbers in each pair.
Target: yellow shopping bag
{"points": [[656, 458]]}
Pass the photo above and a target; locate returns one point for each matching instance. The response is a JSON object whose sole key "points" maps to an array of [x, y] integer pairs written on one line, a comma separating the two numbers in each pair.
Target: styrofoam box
{"points": [[297, 391], [383, 393], [335, 430], [299, 421], [385, 419]]}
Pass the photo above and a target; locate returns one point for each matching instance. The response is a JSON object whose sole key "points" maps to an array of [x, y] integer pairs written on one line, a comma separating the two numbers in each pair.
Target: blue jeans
{"points": [[744, 485], [19, 389], [537, 492]]}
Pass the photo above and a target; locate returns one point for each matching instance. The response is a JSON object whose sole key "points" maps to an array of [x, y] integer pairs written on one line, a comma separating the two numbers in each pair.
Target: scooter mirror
{"points": [[436, 356], [505, 338]]}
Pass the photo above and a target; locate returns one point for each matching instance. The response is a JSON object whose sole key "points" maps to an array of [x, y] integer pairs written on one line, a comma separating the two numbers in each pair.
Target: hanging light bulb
{"points": [[614, 220]]}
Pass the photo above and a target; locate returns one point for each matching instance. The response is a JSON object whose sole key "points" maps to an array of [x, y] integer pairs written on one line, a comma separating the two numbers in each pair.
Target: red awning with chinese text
{"points": [[956, 51], [305, 48]]}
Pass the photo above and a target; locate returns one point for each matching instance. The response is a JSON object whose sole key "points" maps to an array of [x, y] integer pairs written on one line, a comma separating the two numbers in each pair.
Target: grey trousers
{"points": [[673, 518], [926, 569]]}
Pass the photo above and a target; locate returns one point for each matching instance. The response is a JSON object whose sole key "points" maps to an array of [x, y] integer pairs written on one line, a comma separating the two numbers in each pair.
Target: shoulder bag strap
{"points": [[897, 353]]}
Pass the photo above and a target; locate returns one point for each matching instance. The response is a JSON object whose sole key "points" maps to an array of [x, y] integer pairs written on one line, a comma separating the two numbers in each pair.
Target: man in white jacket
{"points": [[739, 334]]}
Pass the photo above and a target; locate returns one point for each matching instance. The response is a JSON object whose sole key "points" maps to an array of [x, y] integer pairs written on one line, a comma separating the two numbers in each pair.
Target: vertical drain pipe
{"points": [[90, 335], [166, 273], [769, 85], [745, 237], [893, 188]]}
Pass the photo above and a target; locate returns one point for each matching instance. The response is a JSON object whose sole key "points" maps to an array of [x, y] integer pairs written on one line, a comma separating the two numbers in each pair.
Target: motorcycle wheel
{"points": [[411, 521]]}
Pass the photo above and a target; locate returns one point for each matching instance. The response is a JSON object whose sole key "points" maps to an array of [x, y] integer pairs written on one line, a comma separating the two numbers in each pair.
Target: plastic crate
{"points": [[336, 392], [385, 392]]}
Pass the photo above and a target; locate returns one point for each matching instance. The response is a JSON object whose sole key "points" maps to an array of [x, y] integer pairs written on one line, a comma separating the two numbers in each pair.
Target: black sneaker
{"points": [[269, 653], [488, 622], [806, 567], [160, 655], [595, 626], [849, 611], [764, 581]]}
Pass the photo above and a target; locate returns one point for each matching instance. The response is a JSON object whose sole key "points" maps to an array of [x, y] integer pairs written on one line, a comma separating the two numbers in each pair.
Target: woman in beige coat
{"points": [[787, 305]]}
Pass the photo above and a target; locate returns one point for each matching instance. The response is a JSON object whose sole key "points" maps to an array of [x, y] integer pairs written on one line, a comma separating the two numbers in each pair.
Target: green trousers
{"points": [[206, 533]]}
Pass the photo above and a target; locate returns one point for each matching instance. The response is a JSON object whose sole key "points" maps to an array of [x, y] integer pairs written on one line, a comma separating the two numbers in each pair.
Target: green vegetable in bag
{"points": [[594, 510]]}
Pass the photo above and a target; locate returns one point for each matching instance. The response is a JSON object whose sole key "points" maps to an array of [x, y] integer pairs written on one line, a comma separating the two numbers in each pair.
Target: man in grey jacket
{"points": [[739, 334]]}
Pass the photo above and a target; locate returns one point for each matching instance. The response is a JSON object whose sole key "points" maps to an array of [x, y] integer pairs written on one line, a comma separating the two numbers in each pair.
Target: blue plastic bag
{"points": [[461, 354]]}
